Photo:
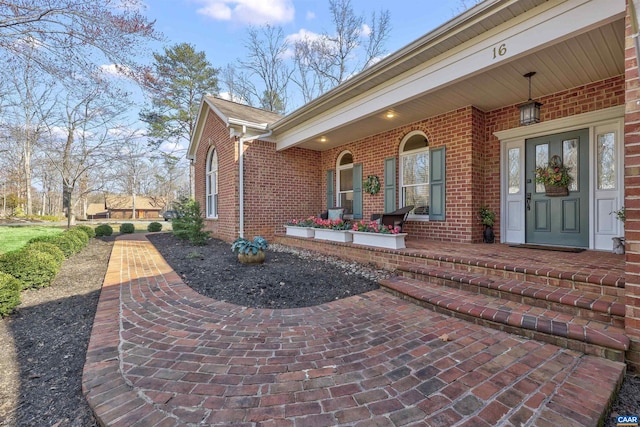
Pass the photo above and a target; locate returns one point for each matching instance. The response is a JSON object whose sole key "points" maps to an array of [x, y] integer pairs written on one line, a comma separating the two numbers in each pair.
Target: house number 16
{"points": [[499, 51]]}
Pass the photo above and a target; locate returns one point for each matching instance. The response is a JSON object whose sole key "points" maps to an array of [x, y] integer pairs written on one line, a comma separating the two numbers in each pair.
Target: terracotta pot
{"points": [[250, 258]]}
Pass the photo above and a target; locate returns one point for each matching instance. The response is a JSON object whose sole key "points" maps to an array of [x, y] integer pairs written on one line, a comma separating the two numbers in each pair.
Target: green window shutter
{"points": [[437, 184], [331, 199], [390, 184], [357, 191]]}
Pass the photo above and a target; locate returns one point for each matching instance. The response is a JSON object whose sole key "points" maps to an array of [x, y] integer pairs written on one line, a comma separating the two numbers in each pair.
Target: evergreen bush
{"points": [[127, 228], [69, 244], [189, 224], [33, 268], [79, 234], [154, 227], [9, 293], [103, 230], [89, 231], [49, 248]]}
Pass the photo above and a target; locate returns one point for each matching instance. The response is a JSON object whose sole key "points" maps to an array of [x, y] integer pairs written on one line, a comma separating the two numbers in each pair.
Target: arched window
{"points": [[212, 184], [344, 168], [414, 172]]}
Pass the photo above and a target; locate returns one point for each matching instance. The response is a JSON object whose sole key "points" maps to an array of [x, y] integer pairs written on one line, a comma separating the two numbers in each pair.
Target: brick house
{"points": [[439, 123], [123, 207]]}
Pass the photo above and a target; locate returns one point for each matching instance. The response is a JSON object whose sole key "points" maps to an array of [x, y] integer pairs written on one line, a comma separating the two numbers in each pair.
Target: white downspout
{"points": [[241, 142]]}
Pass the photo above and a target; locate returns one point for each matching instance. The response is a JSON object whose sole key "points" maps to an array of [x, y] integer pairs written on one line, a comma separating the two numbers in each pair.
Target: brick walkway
{"points": [[163, 355]]}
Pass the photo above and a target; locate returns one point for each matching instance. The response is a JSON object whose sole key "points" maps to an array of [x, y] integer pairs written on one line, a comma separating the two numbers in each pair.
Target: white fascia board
{"points": [[200, 120], [531, 31]]}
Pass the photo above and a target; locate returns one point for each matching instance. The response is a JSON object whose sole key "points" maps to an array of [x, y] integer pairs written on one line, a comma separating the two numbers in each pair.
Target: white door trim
{"points": [[516, 138]]}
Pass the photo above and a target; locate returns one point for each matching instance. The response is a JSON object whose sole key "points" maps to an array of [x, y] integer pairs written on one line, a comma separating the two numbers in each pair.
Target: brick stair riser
{"points": [[583, 312], [596, 350], [501, 273]]}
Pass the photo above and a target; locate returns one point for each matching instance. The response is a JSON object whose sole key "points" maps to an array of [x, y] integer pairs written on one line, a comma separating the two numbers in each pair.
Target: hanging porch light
{"points": [[530, 111]]}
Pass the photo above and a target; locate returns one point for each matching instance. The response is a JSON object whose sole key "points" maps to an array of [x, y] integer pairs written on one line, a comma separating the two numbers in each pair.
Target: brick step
{"points": [[610, 284], [577, 302], [564, 330]]}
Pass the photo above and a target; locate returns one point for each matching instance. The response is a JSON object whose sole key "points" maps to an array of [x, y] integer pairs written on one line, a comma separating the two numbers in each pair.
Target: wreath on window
{"points": [[372, 185]]}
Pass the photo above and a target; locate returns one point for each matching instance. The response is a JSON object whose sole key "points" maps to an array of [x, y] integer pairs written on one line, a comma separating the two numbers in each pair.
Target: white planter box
{"points": [[389, 241], [343, 236], [292, 230]]}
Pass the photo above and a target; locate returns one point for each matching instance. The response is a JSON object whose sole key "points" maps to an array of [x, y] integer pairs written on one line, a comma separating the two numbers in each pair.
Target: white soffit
{"points": [[567, 43]]}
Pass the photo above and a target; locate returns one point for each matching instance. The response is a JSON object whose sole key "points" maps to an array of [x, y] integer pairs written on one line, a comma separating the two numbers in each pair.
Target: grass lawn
{"points": [[12, 238]]}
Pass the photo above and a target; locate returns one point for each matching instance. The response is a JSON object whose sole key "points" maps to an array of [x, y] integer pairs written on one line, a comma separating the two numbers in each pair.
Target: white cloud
{"points": [[115, 70], [254, 12], [311, 16], [365, 30], [302, 34]]}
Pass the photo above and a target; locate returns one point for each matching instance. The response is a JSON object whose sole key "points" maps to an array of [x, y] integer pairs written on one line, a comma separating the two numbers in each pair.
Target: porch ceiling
{"points": [[589, 57]]}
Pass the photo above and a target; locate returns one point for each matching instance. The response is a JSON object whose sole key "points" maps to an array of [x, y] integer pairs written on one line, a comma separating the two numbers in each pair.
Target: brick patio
{"points": [[162, 355]]}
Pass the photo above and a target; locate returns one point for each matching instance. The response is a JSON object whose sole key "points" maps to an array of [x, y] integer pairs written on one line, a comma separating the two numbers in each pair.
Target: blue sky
{"points": [[217, 26]]}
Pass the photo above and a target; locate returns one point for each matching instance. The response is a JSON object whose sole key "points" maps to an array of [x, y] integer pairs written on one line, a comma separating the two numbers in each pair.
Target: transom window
{"points": [[212, 184], [344, 168], [414, 173]]}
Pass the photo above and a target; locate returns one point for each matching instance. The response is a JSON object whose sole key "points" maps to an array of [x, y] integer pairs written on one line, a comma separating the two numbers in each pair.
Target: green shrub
{"points": [[33, 268], [49, 248], [9, 293], [154, 227], [70, 243], [103, 230], [79, 234], [89, 231], [189, 224], [127, 228]]}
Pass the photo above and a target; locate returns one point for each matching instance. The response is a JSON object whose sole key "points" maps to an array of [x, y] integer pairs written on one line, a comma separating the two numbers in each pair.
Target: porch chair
{"points": [[396, 218], [332, 213]]}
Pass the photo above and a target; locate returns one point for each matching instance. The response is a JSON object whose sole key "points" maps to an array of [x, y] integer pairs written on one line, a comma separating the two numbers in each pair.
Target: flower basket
{"points": [[299, 231], [381, 240], [555, 177], [342, 236], [556, 191]]}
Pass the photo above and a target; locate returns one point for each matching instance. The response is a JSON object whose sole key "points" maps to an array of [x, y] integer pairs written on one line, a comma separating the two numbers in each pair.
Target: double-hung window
{"points": [[414, 174], [345, 182], [212, 184]]}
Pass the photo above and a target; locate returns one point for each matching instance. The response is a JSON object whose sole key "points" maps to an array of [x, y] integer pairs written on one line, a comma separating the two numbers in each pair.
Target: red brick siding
{"points": [[632, 193], [279, 186], [216, 134]]}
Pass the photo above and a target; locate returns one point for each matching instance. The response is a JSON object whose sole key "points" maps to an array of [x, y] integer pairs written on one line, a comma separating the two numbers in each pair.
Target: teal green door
{"points": [[562, 221]]}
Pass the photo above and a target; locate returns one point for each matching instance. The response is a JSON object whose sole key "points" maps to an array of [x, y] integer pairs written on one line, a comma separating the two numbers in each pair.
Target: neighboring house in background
{"points": [[97, 211], [121, 207]]}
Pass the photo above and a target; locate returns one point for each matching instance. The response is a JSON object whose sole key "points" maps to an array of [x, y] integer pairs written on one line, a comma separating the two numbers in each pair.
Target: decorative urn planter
{"points": [[251, 258], [342, 236], [295, 231], [381, 240]]}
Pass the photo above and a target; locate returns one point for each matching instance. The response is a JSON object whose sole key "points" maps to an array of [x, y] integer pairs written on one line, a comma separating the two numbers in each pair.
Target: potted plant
{"points": [[335, 230], [555, 177], [488, 218], [372, 233], [618, 242], [250, 252], [300, 227]]}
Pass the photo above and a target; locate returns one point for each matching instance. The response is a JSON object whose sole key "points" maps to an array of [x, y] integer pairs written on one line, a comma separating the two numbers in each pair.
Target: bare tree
{"points": [[236, 84], [265, 59], [68, 33], [28, 107], [326, 61]]}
